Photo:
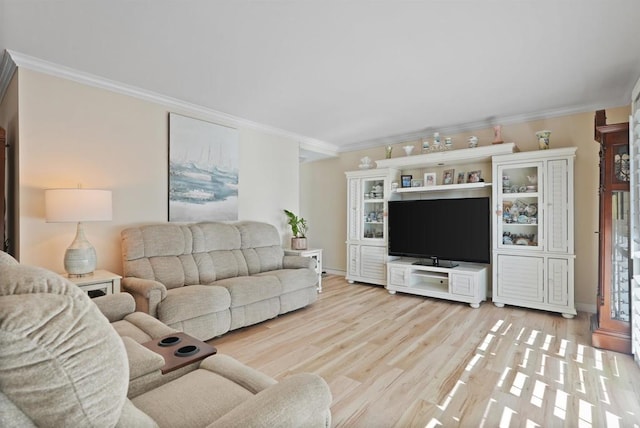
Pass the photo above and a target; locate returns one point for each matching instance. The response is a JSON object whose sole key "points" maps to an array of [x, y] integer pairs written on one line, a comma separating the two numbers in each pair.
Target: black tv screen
{"points": [[449, 229]]}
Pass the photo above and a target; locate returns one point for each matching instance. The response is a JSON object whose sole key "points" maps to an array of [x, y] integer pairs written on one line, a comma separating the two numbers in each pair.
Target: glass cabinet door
{"points": [[373, 209], [619, 251], [519, 202]]}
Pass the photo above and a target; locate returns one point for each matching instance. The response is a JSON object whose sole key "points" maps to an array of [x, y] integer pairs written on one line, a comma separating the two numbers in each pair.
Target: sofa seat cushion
{"points": [[245, 290], [193, 400], [292, 279], [192, 301]]}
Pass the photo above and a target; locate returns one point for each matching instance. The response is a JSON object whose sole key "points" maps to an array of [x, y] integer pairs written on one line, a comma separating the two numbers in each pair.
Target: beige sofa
{"points": [[62, 364], [208, 278]]}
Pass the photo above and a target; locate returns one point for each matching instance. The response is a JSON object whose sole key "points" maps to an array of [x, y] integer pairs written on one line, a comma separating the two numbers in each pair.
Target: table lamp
{"points": [[78, 205]]}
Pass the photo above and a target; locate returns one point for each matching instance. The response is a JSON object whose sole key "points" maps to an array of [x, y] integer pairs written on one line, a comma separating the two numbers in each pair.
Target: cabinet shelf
{"points": [[443, 187], [520, 195]]}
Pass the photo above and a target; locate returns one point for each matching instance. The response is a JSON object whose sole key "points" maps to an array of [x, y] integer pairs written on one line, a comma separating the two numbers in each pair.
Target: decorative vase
{"points": [[298, 243], [425, 145], [387, 152], [448, 143], [473, 141], [497, 135], [408, 149], [543, 139]]}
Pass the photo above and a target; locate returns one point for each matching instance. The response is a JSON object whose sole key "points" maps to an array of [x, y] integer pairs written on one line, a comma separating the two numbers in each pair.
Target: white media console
{"points": [[466, 282]]}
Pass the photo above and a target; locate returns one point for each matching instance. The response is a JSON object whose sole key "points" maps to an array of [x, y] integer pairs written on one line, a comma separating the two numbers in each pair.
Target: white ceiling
{"points": [[350, 74]]}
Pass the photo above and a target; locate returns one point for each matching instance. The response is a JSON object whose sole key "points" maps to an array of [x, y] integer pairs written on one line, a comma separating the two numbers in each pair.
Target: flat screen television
{"points": [[441, 229]]}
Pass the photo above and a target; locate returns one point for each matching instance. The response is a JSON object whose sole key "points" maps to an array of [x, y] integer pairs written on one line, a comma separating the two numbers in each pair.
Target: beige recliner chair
{"points": [[63, 364]]}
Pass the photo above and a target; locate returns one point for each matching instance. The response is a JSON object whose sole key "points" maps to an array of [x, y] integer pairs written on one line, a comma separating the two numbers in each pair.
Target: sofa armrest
{"points": [[146, 292], [301, 400], [298, 262], [115, 306]]}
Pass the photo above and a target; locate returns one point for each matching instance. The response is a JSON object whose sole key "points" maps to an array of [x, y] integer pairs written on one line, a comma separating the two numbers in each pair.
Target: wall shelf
{"points": [[443, 187], [448, 157]]}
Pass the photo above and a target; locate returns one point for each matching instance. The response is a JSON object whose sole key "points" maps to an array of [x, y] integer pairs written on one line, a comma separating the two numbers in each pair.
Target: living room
{"points": [[68, 127]]}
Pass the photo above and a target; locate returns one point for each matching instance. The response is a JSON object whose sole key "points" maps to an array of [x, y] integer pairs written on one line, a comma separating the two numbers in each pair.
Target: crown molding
{"points": [[12, 60]]}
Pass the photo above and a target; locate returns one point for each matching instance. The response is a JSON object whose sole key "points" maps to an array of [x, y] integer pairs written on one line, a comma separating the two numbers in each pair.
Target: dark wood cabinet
{"points": [[611, 326], [3, 192]]}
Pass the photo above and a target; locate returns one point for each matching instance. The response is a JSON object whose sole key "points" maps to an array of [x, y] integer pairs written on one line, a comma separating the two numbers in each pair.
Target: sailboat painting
{"points": [[203, 170]]}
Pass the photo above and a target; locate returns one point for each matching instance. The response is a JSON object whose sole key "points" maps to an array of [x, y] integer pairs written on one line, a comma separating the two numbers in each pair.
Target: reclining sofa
{"points": [[208, 278], [63, 364]]}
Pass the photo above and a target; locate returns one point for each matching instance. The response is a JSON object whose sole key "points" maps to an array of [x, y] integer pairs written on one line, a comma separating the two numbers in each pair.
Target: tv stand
{"points": [[434, 261], [466, 283]]}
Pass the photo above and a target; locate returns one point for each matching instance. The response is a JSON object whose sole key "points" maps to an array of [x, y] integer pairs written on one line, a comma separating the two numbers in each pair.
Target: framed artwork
{"points": [[429, 179], [447, 176], [406, 180], [461, 176], [203, 170], [474, 176], [416, 182]]}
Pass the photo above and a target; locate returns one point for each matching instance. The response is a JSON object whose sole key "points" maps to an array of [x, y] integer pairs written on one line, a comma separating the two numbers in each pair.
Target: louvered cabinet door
{"points": [[520, 280], [556, 203]]}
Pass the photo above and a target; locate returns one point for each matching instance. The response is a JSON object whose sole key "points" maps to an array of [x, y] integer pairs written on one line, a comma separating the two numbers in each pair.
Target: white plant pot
{"points": [[298, 243]]}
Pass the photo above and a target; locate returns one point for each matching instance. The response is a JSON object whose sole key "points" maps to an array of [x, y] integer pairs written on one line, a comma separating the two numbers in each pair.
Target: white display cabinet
{"points": [[533, 245], [634, 150], [367, 195]]}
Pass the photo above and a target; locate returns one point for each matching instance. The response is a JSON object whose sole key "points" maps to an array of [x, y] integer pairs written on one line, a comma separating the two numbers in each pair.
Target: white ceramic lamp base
{"points": [[80, 258]]}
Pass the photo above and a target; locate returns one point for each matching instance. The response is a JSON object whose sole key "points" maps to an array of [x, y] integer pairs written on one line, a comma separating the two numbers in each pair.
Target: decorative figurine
{"points": [[497, 135], [387, 152]]}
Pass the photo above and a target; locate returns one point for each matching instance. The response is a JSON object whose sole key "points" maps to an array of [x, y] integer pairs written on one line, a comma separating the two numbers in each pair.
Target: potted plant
{"points": [[298, 230]]}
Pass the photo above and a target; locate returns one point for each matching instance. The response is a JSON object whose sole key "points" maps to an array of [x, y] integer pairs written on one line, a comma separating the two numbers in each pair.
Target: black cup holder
{"points": [[169, 341], [186, 351]]}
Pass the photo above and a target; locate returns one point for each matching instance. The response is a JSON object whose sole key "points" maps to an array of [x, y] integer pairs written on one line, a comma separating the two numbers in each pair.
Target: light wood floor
{"points": [[410, 361]]}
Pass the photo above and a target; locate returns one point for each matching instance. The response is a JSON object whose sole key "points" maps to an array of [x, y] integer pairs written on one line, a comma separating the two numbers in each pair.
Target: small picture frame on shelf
{"points": [[447, 176], [406, 180], [429, 179], [474, 176], [417, 182], [461, 177]]}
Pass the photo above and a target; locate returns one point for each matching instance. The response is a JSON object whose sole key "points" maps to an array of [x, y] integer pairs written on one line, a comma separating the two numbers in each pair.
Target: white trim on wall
{"points": [[12, 59]]}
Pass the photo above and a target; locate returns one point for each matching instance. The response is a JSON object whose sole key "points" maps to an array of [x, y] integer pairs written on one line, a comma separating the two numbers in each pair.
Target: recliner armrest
{"points": [[300, 400], [115, 306], [146, 292], [142, 360]]}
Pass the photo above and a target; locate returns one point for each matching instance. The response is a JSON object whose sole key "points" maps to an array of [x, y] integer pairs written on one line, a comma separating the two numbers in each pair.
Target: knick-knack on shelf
{"points": [[497, 135], [543, 139]]}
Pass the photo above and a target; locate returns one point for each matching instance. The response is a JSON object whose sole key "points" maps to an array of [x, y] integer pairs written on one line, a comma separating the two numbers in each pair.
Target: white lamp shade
{"points": [[77, 205]]}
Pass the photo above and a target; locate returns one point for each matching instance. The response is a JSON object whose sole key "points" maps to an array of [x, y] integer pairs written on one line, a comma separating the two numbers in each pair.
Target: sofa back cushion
{"points": [[261, 246], [199, 253], [61, 363], [216, 248], [161, 252]]}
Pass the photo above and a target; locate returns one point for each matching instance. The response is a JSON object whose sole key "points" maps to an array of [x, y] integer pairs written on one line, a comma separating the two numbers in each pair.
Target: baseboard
{"points": [[335, 272]]}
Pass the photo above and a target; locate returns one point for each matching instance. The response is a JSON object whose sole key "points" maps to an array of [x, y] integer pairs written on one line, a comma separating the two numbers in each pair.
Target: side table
{"points": [[314, 253], [100, 280]]}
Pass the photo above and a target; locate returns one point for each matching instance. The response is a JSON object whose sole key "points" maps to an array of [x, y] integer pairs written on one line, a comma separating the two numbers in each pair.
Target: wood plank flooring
{"points": [[409, 361]]}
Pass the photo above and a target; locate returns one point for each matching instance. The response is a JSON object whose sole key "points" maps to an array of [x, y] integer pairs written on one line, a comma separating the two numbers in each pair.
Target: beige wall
{"points": [[74, 134], [323, 183]]}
